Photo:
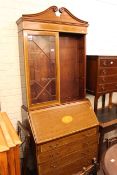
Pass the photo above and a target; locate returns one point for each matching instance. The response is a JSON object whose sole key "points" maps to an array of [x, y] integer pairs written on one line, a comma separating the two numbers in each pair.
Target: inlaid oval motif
{"points": [[67, 119]]}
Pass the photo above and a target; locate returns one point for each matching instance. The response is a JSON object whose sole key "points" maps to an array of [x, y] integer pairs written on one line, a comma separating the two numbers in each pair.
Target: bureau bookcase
{"points": [[52, 51]]}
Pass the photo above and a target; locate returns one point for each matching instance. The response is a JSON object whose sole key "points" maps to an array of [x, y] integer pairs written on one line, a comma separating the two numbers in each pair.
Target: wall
{"points": [[101, 39]]}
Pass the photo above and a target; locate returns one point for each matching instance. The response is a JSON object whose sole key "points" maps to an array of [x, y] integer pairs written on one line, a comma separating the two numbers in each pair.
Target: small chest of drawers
{"points": [[101, 76]]}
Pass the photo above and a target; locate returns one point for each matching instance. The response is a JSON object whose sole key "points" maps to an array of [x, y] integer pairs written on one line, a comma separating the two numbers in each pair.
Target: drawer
{"points": [[84, 156], [66, 149], [107, 71], [70, 169], [108, 62], [107, 79], [68, 139], [107, 87]]}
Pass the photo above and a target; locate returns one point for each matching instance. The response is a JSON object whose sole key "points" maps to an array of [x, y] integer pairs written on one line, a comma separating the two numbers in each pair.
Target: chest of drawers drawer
{"points": [[108, 62], [107, 71], [107, 79], [64, 170], [105, 88]]}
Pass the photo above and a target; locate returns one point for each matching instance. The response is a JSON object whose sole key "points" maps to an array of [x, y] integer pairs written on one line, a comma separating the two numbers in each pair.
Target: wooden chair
{"points": [[111, 141], [27, 149], [24, 148], [107, 118], [90, 170]]}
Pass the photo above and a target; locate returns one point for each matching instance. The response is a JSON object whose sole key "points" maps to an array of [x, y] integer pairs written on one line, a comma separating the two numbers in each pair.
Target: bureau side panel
{"points": [[22, 74], [91, 76]]}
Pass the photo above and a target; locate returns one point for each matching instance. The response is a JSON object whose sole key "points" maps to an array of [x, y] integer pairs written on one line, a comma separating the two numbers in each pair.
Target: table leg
{"points": [[110, 100], [95, 104], [101, 138], [103, 101]]}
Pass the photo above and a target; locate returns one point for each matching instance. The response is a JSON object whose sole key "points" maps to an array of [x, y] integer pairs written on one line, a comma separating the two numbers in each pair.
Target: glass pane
{"points": [[42, 62]]}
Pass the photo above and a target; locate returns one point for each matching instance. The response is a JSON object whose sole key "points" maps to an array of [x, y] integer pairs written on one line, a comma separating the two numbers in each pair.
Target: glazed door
{"points": [[42, 67]]}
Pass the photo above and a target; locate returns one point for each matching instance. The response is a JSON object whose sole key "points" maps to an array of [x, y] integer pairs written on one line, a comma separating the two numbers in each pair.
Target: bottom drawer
{"points": [[69, 169], [69, 164], [107, 87]]}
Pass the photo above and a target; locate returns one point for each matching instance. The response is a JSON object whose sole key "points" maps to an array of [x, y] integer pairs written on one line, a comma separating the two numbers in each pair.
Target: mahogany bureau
{"points": [[101, 76], [52, 50]]}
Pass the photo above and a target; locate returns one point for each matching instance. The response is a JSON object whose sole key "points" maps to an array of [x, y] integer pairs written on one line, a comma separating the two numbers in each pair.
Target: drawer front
{"points": [[83, 158], [66, 149], [108, 62], [107, 71], [72, 168], [107, 79], [104, 88], [68, 139]]}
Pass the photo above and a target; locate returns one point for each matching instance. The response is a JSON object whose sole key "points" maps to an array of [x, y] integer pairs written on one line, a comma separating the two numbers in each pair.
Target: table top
{"points": [[109, 162], [106, 116]]}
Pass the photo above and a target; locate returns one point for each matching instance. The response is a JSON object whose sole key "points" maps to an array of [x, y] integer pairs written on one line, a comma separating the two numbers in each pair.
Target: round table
{"points": [[109, 162]]}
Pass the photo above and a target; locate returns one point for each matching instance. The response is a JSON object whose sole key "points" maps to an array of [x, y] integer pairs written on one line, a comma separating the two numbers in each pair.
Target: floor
{"points": [[100, 172]]}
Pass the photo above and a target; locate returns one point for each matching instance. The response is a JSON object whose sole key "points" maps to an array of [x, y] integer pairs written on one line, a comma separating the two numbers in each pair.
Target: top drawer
{"points": [[108, 62], [68, 139]]}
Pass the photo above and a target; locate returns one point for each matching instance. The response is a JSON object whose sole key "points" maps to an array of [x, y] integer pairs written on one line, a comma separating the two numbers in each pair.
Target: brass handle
{"points": [[111, 62], [84, 170], [51, 155], [104, 72], [54, 146], [105, 63], [103, 79], [53, 166], [102, 88]]}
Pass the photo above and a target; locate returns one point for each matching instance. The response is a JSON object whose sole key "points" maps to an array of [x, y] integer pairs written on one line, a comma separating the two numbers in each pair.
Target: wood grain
{"points": [[9, 147]]}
